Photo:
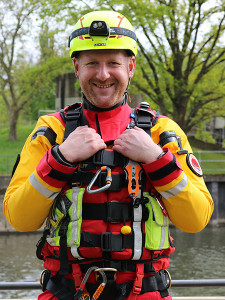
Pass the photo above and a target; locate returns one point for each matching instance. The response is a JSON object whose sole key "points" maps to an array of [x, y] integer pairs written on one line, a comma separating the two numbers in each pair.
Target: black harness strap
{"points": [[61, 288], [113, 211], [74, 116], [145, 118], [40, 244], [83, 178]]}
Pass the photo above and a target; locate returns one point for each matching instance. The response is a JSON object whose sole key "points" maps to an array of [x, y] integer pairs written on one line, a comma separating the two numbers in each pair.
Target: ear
{"points": [[131, 66], [75, 65]]}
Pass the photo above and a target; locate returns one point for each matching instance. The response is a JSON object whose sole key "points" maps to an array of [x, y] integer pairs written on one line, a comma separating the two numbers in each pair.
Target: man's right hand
{"points": [[81, 144]]}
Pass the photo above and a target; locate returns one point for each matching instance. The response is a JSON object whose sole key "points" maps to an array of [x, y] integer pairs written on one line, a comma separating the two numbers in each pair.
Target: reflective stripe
{"points": [[137, 229], [176, 189], [41, 188], [164, 231]]}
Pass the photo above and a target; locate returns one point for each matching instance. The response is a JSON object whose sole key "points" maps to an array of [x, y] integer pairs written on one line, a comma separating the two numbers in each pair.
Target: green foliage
{"points": [[180, 66], [204, 136], [10, 149], [182, 63]]}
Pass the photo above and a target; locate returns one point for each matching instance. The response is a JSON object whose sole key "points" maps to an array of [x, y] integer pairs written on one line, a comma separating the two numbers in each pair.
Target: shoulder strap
{"points": [[145, 118], [73, 116]]}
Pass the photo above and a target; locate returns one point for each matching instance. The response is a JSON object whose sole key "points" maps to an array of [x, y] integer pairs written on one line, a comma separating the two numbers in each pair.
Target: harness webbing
{"points": [[74, 117]]}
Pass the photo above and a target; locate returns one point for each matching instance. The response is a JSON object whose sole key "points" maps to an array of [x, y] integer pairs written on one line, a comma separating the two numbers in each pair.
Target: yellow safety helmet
{"points": [[103, 30]]}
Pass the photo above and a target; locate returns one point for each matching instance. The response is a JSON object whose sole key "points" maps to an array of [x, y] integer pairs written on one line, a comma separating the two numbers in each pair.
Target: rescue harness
{"points": [[136, 210]]}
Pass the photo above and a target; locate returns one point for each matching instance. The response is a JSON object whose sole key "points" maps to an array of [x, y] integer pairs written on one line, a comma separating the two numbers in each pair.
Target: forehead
{"points": [[103, 54]]}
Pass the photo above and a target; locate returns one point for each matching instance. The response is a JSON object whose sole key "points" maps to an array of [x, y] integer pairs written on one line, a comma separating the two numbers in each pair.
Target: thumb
{"points": [[137, 128]]}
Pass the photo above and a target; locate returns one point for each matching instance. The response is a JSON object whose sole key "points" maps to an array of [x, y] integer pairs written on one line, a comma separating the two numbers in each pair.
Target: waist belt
{"points": [[119, 265], [83, 178], [64, 289], [121, 291]]}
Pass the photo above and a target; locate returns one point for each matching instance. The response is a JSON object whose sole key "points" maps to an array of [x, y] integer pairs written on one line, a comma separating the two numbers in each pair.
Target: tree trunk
{"points": [[13, 126]]}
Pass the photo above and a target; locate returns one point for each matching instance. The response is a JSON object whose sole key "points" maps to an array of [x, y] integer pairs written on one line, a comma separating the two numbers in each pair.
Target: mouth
{"points": [[103, 86]]}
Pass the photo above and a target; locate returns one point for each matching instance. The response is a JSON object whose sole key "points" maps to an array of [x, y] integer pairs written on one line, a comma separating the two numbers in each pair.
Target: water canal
{"points": [[197, 256]]}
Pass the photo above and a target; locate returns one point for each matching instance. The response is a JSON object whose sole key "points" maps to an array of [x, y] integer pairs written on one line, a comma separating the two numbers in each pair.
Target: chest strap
{"points": [[113, 212], [107, 157], [83, 178], [108, 241]]}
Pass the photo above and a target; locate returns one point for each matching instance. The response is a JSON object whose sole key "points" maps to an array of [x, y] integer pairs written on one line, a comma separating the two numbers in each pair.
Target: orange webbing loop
{"points": [[137, 282]]}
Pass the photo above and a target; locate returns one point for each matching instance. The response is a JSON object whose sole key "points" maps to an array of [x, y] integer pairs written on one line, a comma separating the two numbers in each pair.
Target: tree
{"points": [[182, 55], [14, 20], [21, 78]]}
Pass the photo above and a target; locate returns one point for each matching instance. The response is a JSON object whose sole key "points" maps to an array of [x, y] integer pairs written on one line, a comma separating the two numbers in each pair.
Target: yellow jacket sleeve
{"points": [[36, 181], [184, 193]]}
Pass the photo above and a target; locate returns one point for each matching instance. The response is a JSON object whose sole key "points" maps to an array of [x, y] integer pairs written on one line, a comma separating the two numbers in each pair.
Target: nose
{"points": [[103, 72]]}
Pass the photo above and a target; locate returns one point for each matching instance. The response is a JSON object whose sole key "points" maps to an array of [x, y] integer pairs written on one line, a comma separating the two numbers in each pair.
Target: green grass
{"points": [[9, 150], [212, 162]]}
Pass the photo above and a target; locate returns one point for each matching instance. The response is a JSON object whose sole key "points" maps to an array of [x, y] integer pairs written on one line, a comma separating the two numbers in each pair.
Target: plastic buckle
{"points": [[72, 115], [138, 284], [139, 277], [111, 243], [104, 157]]}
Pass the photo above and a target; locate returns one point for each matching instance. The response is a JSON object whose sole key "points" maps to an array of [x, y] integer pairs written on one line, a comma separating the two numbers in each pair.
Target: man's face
{"points": [[104, 75]]}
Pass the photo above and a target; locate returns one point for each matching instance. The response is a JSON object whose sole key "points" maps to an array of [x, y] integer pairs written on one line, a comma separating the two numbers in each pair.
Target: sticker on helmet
{"points": [[100, 44], [194, 164]]}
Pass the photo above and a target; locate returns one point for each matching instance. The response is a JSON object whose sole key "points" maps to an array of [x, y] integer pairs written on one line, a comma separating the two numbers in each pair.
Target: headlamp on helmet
{"points": [[99, 28]]}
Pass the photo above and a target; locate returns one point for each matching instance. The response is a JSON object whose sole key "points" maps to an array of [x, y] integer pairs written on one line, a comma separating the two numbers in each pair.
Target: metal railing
{"points": [[174, 283], [208, 162]]}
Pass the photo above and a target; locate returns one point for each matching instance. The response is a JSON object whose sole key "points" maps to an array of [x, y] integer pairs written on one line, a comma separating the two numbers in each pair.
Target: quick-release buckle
{"points": [[139, 277], [104, 157], [111, 242]]}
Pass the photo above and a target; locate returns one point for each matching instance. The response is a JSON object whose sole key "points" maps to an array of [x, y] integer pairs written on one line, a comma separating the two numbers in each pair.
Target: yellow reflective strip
{"points": [[176, 189], [41, 188]]}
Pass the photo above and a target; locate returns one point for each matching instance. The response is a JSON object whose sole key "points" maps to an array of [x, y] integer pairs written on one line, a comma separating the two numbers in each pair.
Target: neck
{"points": [[87, 105]]}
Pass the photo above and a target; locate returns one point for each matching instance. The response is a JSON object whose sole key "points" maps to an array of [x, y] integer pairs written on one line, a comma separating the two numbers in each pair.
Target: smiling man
{"points": [[107, 179]]}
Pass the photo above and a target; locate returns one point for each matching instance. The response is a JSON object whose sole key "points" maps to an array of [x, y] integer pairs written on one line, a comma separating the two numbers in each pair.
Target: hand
{"points": [[81, 144], [137, 145]]}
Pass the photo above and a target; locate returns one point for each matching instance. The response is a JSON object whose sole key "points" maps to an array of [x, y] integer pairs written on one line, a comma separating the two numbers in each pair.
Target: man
{"points": [[107, 178]]}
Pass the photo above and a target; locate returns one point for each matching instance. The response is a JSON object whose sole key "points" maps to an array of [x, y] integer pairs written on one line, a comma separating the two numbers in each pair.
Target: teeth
{"points": [[103, 86]]}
